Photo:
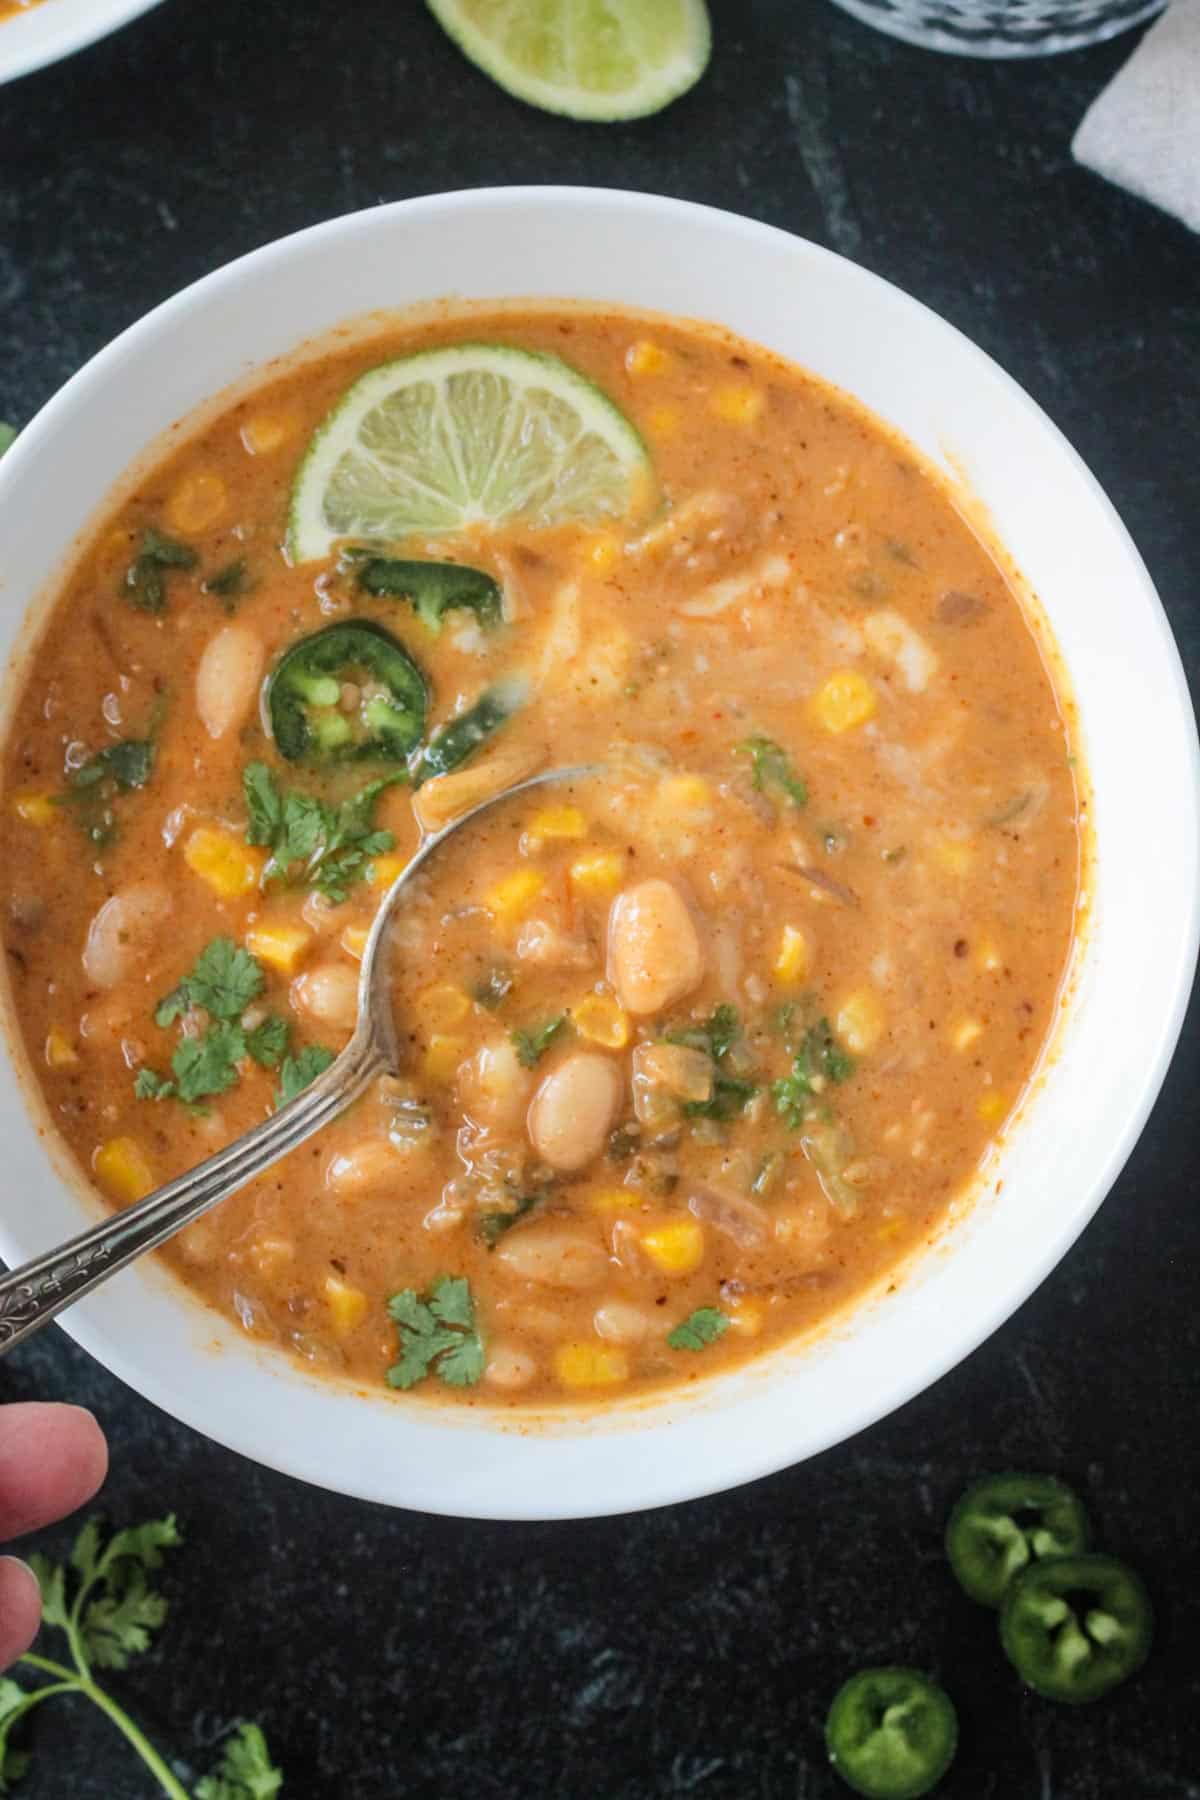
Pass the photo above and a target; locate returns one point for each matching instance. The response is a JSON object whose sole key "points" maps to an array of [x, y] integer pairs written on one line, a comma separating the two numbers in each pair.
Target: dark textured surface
{"points": [[690, 1652]]}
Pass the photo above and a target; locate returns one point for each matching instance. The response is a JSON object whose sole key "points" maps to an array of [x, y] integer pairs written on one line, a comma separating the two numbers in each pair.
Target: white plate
{"points": [[1138, 732], [57, 28]]}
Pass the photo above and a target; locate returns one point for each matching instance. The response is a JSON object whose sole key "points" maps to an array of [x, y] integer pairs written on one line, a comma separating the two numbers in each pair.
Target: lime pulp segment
{"points": [[589, 59], [474, 433]]}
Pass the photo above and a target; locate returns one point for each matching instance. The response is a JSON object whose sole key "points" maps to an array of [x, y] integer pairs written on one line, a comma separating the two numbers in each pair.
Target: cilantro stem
{"points": [[66, 1681]]}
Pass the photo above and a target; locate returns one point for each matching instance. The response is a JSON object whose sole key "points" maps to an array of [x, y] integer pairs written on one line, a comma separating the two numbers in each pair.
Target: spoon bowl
{"points": [[31, 1295]]}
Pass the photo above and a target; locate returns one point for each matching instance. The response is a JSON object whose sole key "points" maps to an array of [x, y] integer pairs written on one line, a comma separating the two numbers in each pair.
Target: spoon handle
{"points": [[31, 1295]]}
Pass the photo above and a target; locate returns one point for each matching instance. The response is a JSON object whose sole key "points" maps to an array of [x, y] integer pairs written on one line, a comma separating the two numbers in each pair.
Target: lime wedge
{"points": [[475, 433], [590, 59]]}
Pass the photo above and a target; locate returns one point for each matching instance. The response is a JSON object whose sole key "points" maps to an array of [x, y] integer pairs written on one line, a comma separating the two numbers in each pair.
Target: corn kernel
{"points": [[847, 699], [676, 1247], [860, 1021], [558, 822], [737, 404], [36, 809], [441, 1008], [347, 1304], [745, 1316], [991, 1106], [229, 865], [59, 1051], [614, 1200], [664, 421], [268, 1254], [685, 794], [384, 870], [987, 955], [442, 1057], [122, 1166], [512, 898], [197, 502], [647, 358], [601, 1020], [597, 874], [966, 1033], [279, 946], [889, 1231], [954, 855], [265, 432], [602, 552], [791, 959], [590, 1365], [354, 941]]}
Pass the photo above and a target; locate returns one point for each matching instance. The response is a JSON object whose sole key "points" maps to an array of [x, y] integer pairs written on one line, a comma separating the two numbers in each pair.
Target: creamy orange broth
{"points": [[904, 931]]}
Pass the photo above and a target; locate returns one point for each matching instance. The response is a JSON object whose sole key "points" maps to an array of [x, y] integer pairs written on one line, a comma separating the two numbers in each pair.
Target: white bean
{"points": [[227, 678], [555, 1255], [621, 1322], [654, 954], [495, 1087], [121, 931], [371, 1164], [329, 994], [508, 1368], [573, 1110]]}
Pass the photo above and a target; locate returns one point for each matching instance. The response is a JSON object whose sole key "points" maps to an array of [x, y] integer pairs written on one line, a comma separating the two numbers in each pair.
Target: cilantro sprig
{"points": [[438, 1335], [224, 980], [771, 767], [817, 1061], [699, 1329], [107, 1606], [314, 845]]}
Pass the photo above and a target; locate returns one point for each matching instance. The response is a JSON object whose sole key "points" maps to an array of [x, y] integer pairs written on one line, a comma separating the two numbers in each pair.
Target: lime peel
{"points": [[588, 59]]}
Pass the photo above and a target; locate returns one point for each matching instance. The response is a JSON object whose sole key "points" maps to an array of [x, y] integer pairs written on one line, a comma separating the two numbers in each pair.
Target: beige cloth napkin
{"points": [[1144, 130]]}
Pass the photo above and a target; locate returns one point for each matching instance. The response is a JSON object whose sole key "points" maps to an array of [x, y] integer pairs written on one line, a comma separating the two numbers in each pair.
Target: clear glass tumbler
{"points": [[1002, 27]]}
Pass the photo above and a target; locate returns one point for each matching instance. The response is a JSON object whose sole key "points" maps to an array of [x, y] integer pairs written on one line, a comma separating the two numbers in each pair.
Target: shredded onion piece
{"points": [[739, 1218]]}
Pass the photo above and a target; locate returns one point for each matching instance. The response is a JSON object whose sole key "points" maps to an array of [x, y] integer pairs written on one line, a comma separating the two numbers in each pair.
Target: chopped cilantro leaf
{"points": [[151, 1086], [532, 1045], [818, 1061], [716, 1036], [494, 1221], [267, 1042], [325, 847], [92, 788], [438, 1335], [699, 1329], [146, 577], [772, 767], [224, 980], [228, 583], [298, 1071], [208, 1065]]}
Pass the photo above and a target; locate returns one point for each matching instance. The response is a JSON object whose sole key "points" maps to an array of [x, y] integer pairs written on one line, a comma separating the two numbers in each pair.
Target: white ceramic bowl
{"points": [[57, 28], [1133, 975]]}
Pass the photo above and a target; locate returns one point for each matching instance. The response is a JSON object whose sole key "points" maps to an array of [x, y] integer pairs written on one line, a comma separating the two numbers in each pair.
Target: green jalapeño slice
{"points": [[891, 1733], [351, 691], [1005, 1522], [1074, 1627]]}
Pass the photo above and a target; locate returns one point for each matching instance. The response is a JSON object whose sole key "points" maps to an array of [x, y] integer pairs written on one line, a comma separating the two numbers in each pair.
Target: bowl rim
{"points": [[740, 1461], [56, 29]]}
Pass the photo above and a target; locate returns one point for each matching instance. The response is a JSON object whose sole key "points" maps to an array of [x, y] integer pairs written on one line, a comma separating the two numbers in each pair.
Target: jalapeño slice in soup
{"points": [[697, 1048]]}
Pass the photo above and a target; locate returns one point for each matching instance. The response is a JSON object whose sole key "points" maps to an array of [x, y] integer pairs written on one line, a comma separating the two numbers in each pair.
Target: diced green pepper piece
{"points": [[891, 1733], [452, 743], [387, 693], [433, 589], [1005, 1522], [1074, 1627]]}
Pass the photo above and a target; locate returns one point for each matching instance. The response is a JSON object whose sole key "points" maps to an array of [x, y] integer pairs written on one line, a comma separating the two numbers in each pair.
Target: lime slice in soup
{"points": [[590, 59], [472, 434]]}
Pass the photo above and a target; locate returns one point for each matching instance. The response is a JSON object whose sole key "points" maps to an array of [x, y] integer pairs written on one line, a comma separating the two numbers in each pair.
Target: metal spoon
{"points": [[31, 1295]]}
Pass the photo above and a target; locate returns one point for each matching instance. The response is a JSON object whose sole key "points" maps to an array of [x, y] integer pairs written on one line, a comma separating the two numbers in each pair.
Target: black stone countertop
{"points": [[692, 1651]]}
